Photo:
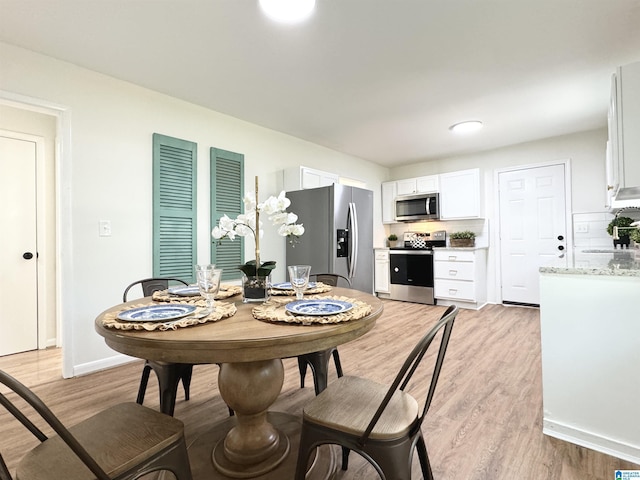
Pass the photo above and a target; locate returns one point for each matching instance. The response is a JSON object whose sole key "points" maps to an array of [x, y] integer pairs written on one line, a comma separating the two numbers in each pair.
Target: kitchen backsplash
{"points": [[590, 230], [478, 226]]}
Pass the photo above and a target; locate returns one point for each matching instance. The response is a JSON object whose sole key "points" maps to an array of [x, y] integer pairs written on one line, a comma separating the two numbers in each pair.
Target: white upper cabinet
{"points": [[428, 184], [623, 166], [300, 178], [460, 195], [410, 186]]}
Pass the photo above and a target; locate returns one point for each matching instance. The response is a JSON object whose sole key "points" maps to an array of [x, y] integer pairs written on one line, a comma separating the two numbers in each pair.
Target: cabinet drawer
{"points": [[454, 255], [382, 255], [454, 270], [455, 290]]}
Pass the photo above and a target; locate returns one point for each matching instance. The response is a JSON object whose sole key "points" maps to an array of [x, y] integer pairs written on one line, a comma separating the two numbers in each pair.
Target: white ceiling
{"points": [[379, 79]]}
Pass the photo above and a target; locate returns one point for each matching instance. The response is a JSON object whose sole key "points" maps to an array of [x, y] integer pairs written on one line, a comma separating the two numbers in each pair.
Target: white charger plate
{"points": [[156, 313], [187, 291], [319, 307], [287, 285]]}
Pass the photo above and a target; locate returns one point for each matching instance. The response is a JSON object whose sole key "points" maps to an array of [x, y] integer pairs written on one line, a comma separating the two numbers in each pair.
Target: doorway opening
{"points": [[37, 118]]}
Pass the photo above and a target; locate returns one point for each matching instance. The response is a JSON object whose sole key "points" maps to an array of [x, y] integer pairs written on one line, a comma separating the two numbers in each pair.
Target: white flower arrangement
{"points": [[249, 223]]}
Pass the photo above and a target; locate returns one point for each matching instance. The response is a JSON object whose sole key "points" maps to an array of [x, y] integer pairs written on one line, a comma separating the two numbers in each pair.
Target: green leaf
{"points": [[265, 269]]}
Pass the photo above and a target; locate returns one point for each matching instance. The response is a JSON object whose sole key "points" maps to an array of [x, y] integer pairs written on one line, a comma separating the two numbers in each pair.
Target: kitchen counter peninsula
{"points": [[608, 262], [590, 342]]}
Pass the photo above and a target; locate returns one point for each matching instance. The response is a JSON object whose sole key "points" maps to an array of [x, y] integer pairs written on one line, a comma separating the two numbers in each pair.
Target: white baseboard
{"points": [[103, 364], [592, 441]]}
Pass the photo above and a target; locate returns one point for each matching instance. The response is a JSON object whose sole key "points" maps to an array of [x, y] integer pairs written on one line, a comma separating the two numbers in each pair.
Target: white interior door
{"points": [[18, 272], [532, 229]]}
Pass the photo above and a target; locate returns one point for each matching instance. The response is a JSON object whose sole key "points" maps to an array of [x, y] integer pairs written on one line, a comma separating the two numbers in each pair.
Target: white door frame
{"points": [[64, 245], [41, 231], [496, 215]]}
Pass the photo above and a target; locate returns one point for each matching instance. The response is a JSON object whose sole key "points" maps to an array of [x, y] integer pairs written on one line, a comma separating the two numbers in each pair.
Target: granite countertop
{"points": [[620, 262]]}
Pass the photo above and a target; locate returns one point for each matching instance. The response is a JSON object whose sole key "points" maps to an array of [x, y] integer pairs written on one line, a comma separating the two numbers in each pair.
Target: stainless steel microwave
{"points": [[424, 206]]}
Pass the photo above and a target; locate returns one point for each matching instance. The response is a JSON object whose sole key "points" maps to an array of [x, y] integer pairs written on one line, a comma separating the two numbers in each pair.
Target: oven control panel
{"points": [[425, 240]]}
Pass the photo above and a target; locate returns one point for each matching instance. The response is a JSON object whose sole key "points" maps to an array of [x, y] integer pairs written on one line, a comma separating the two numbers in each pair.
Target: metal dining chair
{"points": [[319, 361], [169, 374], [123, 442], [381, 423]]}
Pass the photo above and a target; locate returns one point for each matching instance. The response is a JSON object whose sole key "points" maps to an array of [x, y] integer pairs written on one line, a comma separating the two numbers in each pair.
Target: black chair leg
{"points": [[302, 366], [345, 458], [144, 380], [169, 376], [319, 362], [336, 360], [185, 376]]}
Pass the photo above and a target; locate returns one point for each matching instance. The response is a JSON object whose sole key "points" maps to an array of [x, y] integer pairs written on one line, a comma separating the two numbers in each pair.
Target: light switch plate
{"points": [[105, 228]]}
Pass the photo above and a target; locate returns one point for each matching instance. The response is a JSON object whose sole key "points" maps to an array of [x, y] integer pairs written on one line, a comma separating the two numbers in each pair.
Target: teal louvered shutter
{"points": [[227, 191], [174, 207]]}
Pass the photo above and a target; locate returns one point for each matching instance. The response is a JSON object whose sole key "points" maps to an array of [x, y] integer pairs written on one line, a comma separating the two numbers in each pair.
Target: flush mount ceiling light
{"points": [[287, 11], [466, 127]]}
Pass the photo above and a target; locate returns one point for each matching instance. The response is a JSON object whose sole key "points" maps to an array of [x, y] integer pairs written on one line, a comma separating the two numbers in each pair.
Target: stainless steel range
{"points": [[412, 267]]}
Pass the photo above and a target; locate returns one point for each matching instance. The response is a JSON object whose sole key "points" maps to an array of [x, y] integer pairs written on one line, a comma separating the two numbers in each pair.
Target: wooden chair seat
{"points": [[120, 439], [351, 403]]}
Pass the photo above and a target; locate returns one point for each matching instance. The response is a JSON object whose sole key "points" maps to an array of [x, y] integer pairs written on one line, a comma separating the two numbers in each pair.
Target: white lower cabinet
{"points": [[381, 271], [460, 277]]}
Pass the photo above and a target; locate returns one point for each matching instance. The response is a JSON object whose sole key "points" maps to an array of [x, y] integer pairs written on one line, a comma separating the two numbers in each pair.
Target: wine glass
{"points": [[299, 277], [208, 283]]}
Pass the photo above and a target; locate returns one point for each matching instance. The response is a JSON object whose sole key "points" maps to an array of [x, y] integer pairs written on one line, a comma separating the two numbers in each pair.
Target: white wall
{"points": [[109, 178]]}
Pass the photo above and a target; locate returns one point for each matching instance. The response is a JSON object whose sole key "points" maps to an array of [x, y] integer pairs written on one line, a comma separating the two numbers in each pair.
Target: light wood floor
{"points": [[485, 422]]}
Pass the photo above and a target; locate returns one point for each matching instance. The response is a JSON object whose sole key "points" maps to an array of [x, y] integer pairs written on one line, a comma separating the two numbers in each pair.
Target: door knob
{"points": [[27, 255], [560, 247], [560, 237]]}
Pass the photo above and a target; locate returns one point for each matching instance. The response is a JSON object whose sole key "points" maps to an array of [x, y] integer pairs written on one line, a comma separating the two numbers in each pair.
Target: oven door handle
{"points": [[353, 244]]}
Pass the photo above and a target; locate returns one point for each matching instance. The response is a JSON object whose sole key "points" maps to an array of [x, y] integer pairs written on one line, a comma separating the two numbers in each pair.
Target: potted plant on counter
{"points": [[392, 240], [623, 224], [465, 238]]}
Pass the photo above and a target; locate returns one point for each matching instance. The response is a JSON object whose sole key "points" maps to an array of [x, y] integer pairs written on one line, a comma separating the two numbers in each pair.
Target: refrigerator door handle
{"points": [[353, 244]]}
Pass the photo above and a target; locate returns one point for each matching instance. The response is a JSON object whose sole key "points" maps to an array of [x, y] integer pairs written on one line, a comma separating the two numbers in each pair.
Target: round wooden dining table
{"points": [[255, 443]]}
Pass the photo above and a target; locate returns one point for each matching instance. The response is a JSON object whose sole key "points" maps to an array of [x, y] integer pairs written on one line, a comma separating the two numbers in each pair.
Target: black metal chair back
{"points": [[150, 285], [330, 278]]}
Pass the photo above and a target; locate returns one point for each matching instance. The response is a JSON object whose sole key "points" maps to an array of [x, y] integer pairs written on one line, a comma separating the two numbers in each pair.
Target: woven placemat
{"points": [[223, 310], [225, 291], [274, 311], [319, 288]]}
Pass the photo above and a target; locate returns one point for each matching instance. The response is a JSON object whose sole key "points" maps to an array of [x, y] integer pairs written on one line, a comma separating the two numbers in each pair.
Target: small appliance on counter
{"points": [[411, 276], [423, 240]]}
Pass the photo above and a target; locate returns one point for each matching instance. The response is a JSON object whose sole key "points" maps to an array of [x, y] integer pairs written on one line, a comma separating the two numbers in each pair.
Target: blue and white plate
{"points": [[287, 285], [187, 291], [156, 313], [320, 307]]}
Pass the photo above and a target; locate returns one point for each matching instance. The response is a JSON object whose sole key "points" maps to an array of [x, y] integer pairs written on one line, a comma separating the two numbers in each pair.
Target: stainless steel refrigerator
{"points": [[338, 237]]}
